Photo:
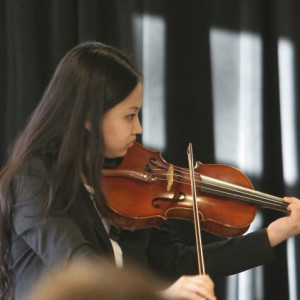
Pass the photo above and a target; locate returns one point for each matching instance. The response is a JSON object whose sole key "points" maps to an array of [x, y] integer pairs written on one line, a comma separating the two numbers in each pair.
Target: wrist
{"points": [[276, 236]]}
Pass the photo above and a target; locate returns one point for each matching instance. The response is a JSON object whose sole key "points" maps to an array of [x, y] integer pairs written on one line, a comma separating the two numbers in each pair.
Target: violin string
{"points": [[224, 189], [226, 185], [237, 195]]}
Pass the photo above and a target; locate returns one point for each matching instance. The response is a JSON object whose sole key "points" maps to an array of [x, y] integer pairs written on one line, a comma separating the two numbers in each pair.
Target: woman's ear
{"points": [[87, 125]]}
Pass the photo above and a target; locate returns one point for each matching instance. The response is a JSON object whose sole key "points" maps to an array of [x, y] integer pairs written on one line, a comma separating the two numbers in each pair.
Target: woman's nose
{"points": [[137, 127]]}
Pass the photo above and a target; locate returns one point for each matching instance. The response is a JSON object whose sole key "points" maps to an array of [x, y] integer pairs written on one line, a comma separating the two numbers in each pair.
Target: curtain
{"points": [[220, 74]]}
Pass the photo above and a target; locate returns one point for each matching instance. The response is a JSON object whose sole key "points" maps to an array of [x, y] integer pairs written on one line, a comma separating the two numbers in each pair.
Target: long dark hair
{"points": [[89, 80]]}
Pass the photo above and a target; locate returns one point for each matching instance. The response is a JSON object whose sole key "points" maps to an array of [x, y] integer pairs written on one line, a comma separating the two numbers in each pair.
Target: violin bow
{"points": [[195, 211]]}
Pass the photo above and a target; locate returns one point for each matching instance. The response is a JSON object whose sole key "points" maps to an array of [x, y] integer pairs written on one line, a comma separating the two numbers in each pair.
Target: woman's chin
{"points": [[116, 154]]}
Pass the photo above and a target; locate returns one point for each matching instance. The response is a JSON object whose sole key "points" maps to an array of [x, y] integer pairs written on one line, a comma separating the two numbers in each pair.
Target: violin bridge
{"points": [[169, 177]]}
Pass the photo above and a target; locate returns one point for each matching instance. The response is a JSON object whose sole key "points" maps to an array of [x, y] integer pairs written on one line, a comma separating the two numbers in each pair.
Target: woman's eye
{"points": [[130, 117]]}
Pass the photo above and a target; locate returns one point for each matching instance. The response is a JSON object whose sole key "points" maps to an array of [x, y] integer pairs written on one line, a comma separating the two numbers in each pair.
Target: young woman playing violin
{"points": [[52, 196]]}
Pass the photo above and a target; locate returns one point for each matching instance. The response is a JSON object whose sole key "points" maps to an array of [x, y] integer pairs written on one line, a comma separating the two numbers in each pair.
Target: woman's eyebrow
{"points": [[135, 107]]}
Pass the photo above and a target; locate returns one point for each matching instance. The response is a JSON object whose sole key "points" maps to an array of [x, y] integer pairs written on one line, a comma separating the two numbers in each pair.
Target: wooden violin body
{"points": [[144, 191]]}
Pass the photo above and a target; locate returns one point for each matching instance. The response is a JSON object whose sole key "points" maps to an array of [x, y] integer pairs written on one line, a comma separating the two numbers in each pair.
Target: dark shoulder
{"points": [[34, 174], [36, 167]]}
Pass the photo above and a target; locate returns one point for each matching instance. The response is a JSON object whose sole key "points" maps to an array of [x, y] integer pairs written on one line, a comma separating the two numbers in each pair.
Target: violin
{"points": [[144, 191]]}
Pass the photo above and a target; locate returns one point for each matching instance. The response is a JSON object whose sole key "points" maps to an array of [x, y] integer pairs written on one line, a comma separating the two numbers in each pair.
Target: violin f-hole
{"points": [[181, 197]]}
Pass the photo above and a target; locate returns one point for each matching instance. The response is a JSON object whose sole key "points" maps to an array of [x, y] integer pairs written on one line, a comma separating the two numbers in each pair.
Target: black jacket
{"points": [[39, 244]]}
